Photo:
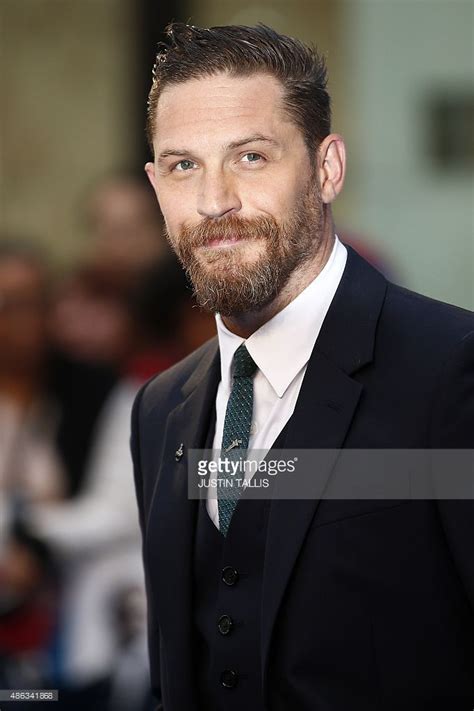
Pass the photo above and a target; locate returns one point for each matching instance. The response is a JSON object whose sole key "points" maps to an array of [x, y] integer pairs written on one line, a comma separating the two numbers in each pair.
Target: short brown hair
{"points": [[194, 52]]}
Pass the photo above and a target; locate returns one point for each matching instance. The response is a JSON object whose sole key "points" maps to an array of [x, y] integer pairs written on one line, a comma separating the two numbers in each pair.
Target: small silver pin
{"points": [[232, 445], [179, 452]]}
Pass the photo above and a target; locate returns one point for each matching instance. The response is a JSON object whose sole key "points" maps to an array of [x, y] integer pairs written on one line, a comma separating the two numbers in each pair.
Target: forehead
{"points": [[219, 105]]}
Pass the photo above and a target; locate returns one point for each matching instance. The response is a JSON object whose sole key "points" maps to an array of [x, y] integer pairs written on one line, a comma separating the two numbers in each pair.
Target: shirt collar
{"points": [[283, 345]]}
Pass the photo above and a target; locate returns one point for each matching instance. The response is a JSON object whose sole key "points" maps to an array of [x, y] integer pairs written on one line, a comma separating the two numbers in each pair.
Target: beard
{"points": [[223, 280]]}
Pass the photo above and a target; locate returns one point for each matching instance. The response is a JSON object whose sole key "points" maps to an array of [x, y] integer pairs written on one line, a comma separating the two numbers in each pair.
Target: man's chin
{"points": [[224, 268], [231, 293]]}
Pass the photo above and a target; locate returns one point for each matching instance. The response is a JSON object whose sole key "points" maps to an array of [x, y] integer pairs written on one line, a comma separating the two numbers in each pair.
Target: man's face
{"points": [[236, 186]]}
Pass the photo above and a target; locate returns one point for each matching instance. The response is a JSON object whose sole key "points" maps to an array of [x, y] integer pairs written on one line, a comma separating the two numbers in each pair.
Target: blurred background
{"points": [[92, 303]]}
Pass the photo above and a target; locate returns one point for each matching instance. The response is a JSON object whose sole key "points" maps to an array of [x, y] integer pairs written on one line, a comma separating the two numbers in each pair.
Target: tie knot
{"points": [[244, 365]]}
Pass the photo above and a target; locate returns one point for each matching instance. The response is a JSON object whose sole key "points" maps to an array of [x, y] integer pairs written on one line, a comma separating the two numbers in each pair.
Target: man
{"points": [[292, 605]]}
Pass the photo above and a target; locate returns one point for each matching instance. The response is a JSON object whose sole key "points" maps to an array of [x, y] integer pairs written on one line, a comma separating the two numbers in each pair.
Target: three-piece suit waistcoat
{"points": [[228, 574]]}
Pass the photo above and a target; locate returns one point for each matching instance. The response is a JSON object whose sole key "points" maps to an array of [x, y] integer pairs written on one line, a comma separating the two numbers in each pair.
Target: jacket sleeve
{"points": [[453, 428], [153, 629]]}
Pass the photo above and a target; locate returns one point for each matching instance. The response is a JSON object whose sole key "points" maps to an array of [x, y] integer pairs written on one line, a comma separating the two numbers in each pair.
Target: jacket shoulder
{"points": [[165, 388], [434, 325]]}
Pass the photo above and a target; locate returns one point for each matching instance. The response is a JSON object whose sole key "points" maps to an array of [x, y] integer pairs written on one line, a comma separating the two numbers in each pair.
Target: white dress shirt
{"points": [[281, 348]]}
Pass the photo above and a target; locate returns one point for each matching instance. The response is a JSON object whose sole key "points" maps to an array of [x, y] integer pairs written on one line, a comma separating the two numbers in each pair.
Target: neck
{"points": [[244, 324]]}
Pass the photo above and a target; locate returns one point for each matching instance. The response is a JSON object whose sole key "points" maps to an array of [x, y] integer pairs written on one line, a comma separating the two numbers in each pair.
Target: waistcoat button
{"points": [[229, 678], [229, 575], [225, 624]]}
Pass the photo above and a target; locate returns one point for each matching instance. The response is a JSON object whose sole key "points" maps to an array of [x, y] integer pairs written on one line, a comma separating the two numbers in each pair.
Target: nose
{"points": [[217, 195]]}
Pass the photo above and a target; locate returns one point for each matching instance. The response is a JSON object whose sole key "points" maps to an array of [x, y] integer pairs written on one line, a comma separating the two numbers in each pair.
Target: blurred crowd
{"points": [[75, 348]]}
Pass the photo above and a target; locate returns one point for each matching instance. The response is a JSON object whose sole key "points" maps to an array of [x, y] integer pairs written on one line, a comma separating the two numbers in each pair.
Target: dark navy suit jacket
{"points": [[366, 604]]}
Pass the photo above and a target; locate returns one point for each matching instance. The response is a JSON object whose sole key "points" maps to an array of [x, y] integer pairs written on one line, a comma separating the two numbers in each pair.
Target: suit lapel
{"points": [[172, 519], [326, 405]]}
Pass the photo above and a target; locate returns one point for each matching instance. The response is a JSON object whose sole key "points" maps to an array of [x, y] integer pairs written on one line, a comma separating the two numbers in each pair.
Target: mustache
{"points": [[232, 227]]}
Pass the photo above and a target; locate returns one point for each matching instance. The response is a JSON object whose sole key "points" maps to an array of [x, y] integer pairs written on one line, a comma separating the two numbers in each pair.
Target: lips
{"points": [[223, 242]]}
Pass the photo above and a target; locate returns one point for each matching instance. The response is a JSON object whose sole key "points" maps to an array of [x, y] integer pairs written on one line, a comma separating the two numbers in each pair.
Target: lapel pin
{"points": [[179, 452]]}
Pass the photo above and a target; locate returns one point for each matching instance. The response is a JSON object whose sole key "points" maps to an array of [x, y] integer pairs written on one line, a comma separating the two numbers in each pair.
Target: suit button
{"points": [[229, 575], [229, 678], [225, 624]]}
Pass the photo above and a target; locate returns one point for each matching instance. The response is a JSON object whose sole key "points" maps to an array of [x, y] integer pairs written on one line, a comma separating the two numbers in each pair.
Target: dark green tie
{"points": [[238, 419]]}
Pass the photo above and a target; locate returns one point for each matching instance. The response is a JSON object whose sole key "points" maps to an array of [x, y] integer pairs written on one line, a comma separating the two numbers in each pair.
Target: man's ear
{"points": [[331, 166], [150, 171]]}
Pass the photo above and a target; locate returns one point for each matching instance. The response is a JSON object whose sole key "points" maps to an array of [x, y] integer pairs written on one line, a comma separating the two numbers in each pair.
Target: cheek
{"points": [[274, 205], [176, 210], [275, 197]]}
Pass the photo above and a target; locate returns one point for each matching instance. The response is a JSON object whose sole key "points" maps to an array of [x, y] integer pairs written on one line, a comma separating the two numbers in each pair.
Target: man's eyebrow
{"points": [[173, 152], [256, 137]]}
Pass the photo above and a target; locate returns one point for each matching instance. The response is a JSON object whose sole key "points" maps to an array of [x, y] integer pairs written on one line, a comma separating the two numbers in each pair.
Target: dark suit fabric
{"points": [[365, 604]]}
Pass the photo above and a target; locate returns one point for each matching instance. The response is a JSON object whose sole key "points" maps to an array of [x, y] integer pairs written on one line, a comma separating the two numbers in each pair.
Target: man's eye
{"points": [[184, 165], [252, 158]]}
